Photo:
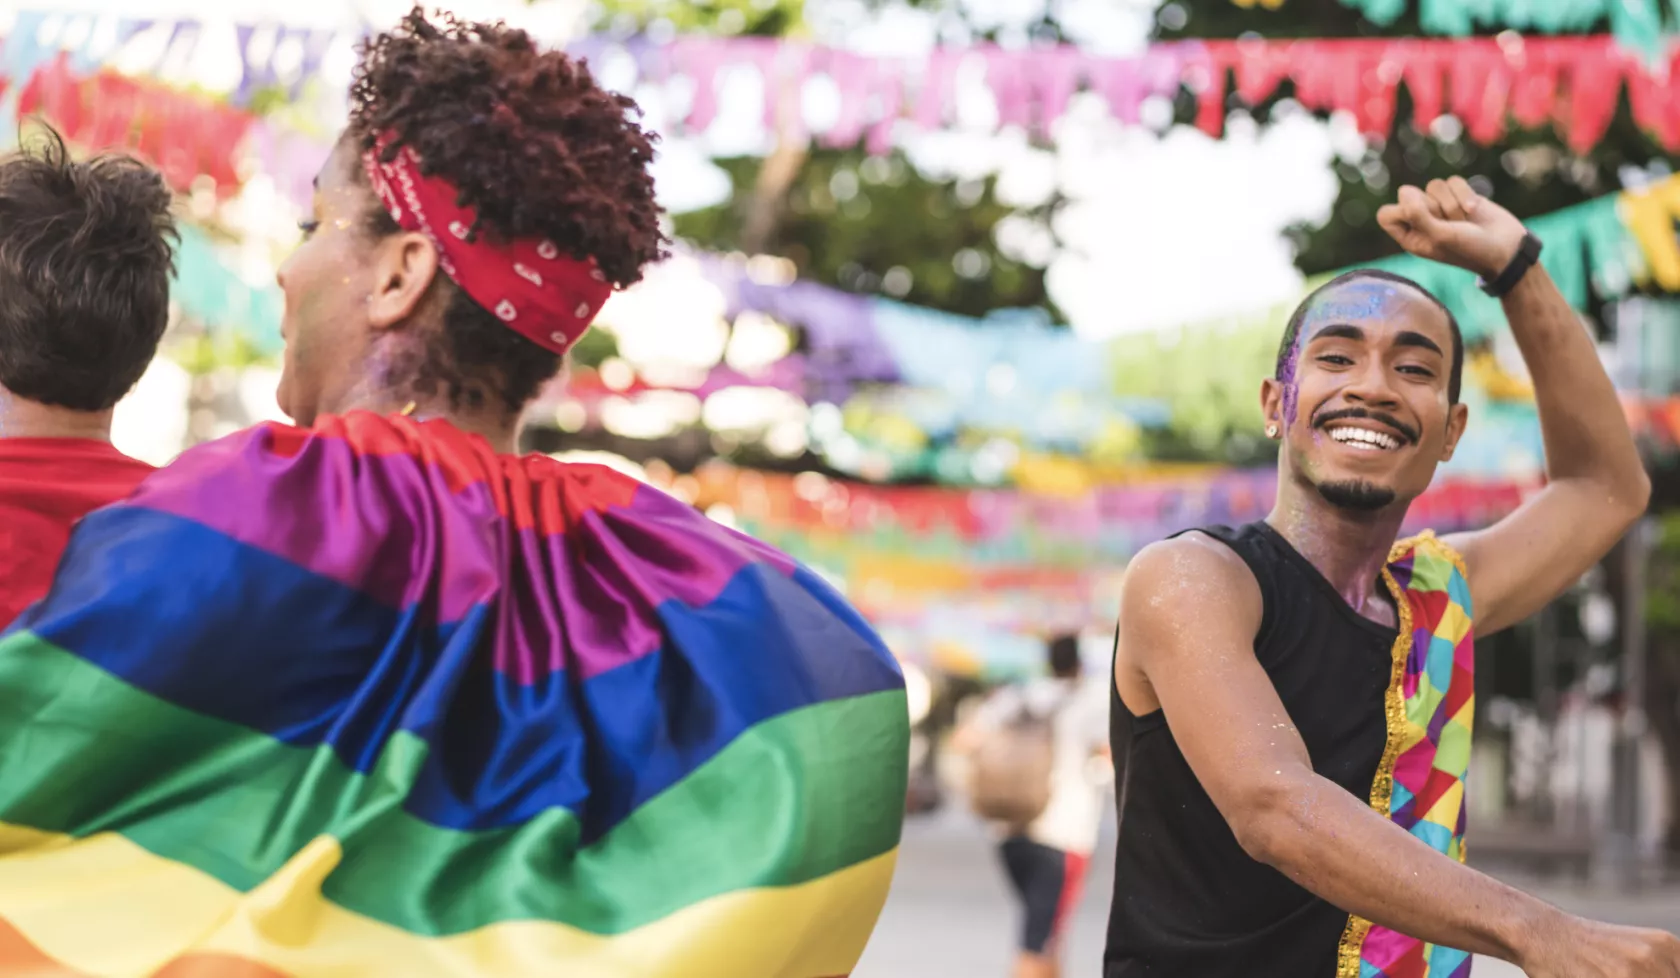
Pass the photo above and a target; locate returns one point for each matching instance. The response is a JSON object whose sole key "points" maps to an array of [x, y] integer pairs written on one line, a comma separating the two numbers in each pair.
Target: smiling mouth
{"points": [[1365, 439]]}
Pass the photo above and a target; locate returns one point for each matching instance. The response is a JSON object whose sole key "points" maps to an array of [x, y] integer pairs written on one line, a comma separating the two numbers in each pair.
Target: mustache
{"points": [[1406, 430]]}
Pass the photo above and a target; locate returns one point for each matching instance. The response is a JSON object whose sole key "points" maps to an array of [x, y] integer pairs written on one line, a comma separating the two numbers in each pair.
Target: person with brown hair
{"points": [[372, 694], [85, 258]]}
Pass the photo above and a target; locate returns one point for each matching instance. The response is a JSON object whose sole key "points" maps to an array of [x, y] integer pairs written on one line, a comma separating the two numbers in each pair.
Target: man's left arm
{"points": [[1596, 483]]}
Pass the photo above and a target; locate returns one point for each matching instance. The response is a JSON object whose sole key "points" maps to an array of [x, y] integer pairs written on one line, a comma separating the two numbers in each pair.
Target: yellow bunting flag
{"points": [[1650, 215]]}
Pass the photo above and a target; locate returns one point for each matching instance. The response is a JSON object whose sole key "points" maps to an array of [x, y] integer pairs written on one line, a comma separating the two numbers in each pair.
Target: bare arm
{"points": [[1597, 486], [1189, 613]]}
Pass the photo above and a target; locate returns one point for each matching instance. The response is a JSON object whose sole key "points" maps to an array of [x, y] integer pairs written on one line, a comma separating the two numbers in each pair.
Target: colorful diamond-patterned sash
{"points": [[1420, 781]]}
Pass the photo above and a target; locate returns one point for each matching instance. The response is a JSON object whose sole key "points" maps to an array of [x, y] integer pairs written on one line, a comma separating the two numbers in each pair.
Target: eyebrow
{"points": [[1340, 331], [1406, 337]]}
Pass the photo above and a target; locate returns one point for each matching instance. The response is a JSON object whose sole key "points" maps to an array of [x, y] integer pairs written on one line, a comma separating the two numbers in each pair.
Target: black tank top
{"points": [[1188, 902]]}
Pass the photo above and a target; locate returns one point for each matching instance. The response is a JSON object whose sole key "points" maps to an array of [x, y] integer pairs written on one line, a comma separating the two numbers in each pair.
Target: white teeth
{"points": [[1363, 437]]}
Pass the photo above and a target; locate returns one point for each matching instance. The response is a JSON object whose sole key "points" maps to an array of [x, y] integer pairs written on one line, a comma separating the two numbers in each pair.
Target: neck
{"points": [[1348, 547], [23, 418], [495, 427]]}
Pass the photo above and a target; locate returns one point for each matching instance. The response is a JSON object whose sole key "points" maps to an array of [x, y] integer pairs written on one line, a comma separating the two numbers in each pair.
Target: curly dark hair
{"points": [[85, 261], [537, 149]]}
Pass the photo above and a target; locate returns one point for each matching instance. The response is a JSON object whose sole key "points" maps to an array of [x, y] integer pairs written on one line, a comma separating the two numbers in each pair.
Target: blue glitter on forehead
{"points": [[1349, 303], [1365, 303]]}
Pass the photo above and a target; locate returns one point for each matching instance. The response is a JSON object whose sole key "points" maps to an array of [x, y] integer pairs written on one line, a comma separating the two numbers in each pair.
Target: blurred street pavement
{"points": [[949, 915]]}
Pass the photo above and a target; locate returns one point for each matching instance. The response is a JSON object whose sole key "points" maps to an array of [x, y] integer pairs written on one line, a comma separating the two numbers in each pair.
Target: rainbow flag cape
{"points": [[370, 699]]}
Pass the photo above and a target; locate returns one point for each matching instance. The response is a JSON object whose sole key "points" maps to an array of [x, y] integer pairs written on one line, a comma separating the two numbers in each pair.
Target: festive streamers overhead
{"points": [[271, 56], [1657, 419], [1638, 24], [1047, 387], [1650, 215], [985, 568], [209, 294], [1031, 88], [982, 533], [1570, 82], [185, 135]]}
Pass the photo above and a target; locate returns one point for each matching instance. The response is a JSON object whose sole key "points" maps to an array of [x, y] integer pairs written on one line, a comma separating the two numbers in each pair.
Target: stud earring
{"points": [[1271, 431]]}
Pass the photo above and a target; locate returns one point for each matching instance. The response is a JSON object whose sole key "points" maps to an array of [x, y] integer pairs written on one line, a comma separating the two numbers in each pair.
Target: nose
{"points": [[1371, 387]]}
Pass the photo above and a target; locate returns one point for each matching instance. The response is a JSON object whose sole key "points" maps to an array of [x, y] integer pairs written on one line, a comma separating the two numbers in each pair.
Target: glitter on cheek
{"points": [[1291, 390]]}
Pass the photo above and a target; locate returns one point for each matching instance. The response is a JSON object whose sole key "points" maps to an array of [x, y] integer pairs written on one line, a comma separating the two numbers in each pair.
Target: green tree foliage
{"points": [[875, 225]]}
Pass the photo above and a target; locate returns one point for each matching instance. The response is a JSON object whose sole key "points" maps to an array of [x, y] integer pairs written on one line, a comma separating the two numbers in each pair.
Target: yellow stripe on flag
{"points": [[106, 907]]}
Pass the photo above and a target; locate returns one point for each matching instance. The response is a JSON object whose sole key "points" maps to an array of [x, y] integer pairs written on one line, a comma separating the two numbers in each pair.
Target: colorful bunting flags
{"points": [[915, 543], [1489, 83], [1030, 87], [1638, 24], [186, 136], [1572, 83], [211, 295], [271, 55], [1042, 387]]}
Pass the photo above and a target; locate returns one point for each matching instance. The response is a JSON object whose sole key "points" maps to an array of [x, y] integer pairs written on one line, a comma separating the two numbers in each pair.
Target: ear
{"points": [[1457, 418], [403, 269], [1271, 403]]}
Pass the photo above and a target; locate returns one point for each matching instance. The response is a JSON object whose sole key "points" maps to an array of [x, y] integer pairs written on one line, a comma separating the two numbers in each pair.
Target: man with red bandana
{"points": [[1294, 698]]}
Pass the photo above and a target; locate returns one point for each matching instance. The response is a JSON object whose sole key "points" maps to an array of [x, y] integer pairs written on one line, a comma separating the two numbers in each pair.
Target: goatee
{"points": [[1355, 495]]}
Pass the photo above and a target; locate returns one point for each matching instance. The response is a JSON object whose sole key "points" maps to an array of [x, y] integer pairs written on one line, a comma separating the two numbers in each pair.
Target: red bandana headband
{"points": [[547, 297]]}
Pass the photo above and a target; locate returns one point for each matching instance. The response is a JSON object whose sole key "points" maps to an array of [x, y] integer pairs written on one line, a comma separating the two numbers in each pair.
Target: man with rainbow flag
{"points": [[375, 696]]}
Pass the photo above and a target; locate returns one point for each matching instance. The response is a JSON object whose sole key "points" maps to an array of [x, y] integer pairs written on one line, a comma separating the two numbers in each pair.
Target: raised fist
{"points": [[1449, 222]]}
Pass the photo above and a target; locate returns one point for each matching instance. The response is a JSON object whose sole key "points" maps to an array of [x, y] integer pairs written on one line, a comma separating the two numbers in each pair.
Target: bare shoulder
{"points": [[1180, 598], [1189, 570]]}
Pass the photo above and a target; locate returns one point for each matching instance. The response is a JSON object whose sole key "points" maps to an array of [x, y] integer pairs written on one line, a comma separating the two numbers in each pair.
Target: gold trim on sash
{"points": [[1382, 786]]}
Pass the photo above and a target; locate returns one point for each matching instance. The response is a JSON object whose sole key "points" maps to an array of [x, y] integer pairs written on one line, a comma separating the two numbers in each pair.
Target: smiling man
{"points": [[1293, 698]]}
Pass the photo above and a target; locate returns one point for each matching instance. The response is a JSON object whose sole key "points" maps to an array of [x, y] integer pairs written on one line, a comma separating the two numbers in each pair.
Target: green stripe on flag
{"points": [[790, 800]]}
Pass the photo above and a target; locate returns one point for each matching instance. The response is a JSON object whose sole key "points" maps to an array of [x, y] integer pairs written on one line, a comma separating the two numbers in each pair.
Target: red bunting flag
{"points": [[184, 135], [1570, 82]]}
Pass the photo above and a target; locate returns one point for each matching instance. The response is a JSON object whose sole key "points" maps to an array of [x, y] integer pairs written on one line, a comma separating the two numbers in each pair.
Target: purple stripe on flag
{"points": [[392, 527], [608, 575], [384, 525]]}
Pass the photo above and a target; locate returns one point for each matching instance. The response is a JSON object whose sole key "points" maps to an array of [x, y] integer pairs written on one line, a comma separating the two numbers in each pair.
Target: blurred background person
{"points": [[86, 252], [1036, 751]]}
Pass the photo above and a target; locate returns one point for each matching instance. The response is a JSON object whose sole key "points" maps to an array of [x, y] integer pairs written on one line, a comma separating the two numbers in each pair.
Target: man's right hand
{"points": [[1590, 949]]}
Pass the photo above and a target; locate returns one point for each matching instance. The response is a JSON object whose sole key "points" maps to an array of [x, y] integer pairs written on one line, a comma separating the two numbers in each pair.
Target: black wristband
{"points": [[1527, 254]]}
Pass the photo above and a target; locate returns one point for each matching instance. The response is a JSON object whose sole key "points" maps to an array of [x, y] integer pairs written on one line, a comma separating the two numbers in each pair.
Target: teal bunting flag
{"points": [[1641, 25]]}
